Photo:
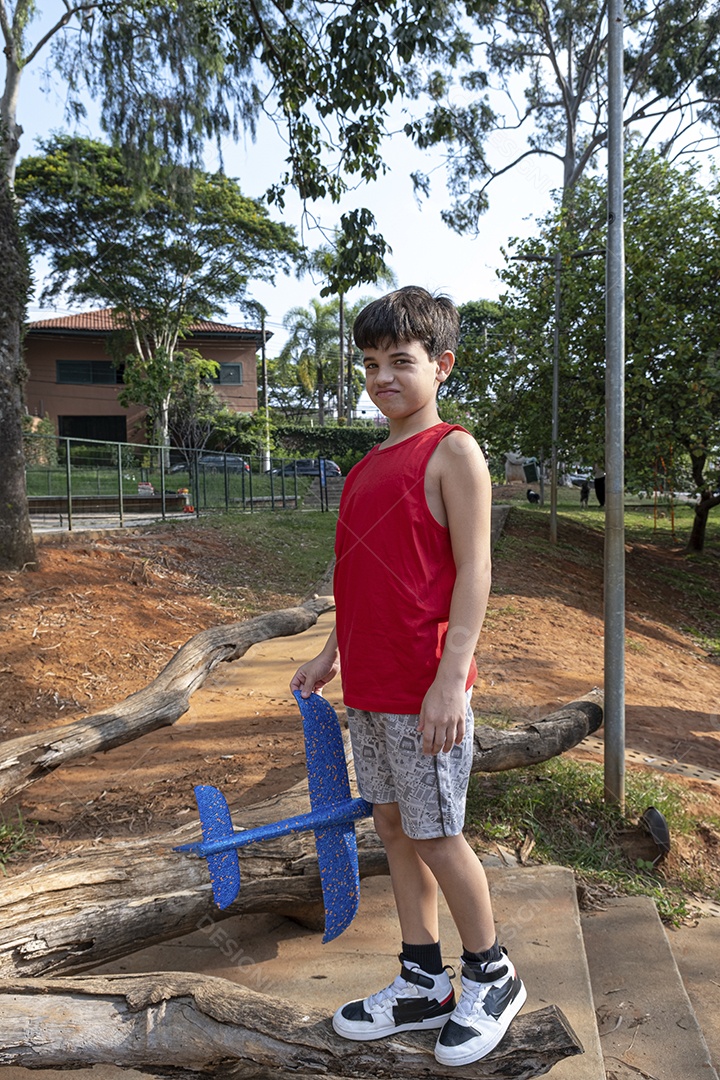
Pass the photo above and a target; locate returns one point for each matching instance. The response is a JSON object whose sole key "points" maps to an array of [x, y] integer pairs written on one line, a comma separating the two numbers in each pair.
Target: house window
{"points": [[88, 372], [102, 428], [229, 375]]}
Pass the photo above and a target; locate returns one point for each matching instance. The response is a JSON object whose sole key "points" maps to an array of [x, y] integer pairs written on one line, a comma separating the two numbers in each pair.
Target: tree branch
{"points": [[59, 25]]}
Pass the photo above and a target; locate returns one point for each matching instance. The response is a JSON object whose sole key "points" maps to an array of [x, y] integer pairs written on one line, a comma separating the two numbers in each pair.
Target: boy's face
{"points": [[402, 379]]}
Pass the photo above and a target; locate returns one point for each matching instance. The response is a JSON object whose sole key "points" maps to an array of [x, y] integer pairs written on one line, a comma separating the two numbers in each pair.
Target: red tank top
{"points": [[394, 577]]}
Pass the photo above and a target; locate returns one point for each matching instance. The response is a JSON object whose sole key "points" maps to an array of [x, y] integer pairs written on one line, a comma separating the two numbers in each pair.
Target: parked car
{"points": [[215, 463], [308, 467], [578, 479]]}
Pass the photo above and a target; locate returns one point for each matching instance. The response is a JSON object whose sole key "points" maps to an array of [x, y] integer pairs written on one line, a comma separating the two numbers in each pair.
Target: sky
{"points": [[424, 250]]}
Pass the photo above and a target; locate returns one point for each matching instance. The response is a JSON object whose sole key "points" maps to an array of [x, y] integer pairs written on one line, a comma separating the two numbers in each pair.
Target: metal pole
{"points": [[557, 262], [341, 363], [68, 484], [615, 425], [266, 462], [121, 508]]}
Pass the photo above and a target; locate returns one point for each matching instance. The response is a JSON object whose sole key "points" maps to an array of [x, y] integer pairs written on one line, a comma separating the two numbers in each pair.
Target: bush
{"points": [[39, 441]]}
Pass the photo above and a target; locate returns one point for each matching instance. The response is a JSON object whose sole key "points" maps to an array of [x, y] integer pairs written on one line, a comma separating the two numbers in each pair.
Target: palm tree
{"points": [[313, 347], [368, 268]]}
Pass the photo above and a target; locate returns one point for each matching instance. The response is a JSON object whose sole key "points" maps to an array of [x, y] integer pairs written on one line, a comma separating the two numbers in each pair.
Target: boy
{"points": [[412, 578]]}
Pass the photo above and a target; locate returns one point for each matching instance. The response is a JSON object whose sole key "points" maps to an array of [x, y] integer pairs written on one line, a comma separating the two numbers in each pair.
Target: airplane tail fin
{"points": [[217, 825]]}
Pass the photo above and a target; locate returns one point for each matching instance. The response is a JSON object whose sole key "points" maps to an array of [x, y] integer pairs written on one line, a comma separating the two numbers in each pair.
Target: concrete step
{"points": [[537, 918], [538, 921], [696, 950], [646, 1022]]}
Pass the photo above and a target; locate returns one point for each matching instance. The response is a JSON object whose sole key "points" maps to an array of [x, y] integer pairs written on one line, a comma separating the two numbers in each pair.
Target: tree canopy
{"points": [[167, 78], [672, 393], [525, 81], [313, 349], [162, 258]]}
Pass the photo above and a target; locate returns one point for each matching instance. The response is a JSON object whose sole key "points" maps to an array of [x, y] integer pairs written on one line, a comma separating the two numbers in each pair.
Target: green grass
{"points": [[281, 554], [103, 480], [643, 522], [15, 837], [560, 805]]}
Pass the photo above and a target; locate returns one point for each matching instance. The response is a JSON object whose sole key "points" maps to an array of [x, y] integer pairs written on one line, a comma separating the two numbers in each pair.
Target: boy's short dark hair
{"points": [[409, 314]]}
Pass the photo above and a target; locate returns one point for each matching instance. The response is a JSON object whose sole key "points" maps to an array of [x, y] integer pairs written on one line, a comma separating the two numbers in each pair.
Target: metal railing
{"points": [[68, 478]]}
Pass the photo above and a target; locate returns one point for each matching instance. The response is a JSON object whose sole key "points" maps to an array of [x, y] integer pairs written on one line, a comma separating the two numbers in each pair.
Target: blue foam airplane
{"points": [[332, 819]]}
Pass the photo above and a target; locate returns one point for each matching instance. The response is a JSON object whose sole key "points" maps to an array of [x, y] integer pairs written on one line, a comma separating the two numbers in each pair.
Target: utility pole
{"points": [[614, 725]]}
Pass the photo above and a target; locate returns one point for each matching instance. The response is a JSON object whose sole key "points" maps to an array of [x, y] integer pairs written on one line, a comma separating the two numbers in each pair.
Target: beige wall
{"points": [[45, 396]]}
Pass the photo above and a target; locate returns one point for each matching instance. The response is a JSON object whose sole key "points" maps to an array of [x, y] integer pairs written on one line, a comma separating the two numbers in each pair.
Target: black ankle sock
{"points": [[490, 956], [428, 957]]}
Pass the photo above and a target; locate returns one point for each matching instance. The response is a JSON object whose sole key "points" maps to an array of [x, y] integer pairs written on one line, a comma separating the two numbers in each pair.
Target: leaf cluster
{"points": [[672, 389], [187, 239], [532, 83]]}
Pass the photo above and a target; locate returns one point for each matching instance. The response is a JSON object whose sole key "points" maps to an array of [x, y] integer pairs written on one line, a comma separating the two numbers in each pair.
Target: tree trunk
{"points": [[84, 909], [29, 758], [17, 548], [696, 541], [187, 1025]]}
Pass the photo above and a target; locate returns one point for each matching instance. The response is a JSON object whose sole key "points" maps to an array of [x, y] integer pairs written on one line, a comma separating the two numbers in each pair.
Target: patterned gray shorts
{"points": [[430, 790]]}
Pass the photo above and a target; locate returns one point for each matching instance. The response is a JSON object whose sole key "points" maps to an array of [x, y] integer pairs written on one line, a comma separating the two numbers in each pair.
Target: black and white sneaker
{"points": [[492, 995], [414, 1001]]}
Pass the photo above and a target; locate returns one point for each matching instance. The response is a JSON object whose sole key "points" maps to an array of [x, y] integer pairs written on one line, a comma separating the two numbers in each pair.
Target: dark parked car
{"points": [[215, 463], [308, 467]]}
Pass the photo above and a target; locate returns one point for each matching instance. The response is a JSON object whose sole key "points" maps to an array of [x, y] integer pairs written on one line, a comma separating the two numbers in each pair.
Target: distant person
{"points": [[412, 578], [584, 494], [600, 484]]}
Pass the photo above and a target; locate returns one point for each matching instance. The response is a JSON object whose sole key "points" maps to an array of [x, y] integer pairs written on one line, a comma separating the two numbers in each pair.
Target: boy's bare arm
{"points": [[461, 471], [314, 674]]}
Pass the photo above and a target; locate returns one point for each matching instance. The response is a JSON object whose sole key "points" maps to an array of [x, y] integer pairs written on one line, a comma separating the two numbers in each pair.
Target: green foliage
{"points": [[313, 348], [561, 806], [546, 65], [357, 256], [188, 242], [161, 258], [40, 443], [15, 837], [344, 445], [195, 411], [672, 390], [243, 433], [169, 77]]}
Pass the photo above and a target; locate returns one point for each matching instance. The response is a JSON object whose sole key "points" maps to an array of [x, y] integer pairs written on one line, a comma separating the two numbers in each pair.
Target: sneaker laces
{"points": [[471, 991], [397, 986]]}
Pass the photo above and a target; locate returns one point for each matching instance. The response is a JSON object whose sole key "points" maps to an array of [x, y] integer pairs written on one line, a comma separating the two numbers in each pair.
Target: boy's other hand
{"points": [[442, 720], [312, 676]]}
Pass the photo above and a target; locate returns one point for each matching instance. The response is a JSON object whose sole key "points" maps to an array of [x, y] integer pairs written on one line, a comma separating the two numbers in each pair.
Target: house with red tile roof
{"points": [[73, 380]]}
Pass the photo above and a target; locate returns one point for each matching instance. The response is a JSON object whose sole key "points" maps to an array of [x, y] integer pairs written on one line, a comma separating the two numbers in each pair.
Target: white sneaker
{"points": [[492, 995], [414, 1001]]}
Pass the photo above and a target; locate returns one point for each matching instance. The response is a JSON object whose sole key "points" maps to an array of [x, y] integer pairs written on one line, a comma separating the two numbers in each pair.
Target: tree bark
{"points": [[29, 758], [17, 547], [84, 909], [188, 1025], [497, 750], [696, 540]]}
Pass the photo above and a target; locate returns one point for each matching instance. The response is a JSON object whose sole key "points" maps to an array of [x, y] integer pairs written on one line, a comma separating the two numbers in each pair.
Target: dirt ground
{"points": [[102, 616]]}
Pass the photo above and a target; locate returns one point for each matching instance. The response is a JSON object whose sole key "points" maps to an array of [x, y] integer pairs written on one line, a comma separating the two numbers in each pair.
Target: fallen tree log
{"points": [[188, 1025], [113, 898], [162, 702], [498, 749]]}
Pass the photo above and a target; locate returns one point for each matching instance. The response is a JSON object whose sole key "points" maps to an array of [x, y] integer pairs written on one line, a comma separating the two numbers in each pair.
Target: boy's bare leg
{"points": [[460, 875], [414, 886]]}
